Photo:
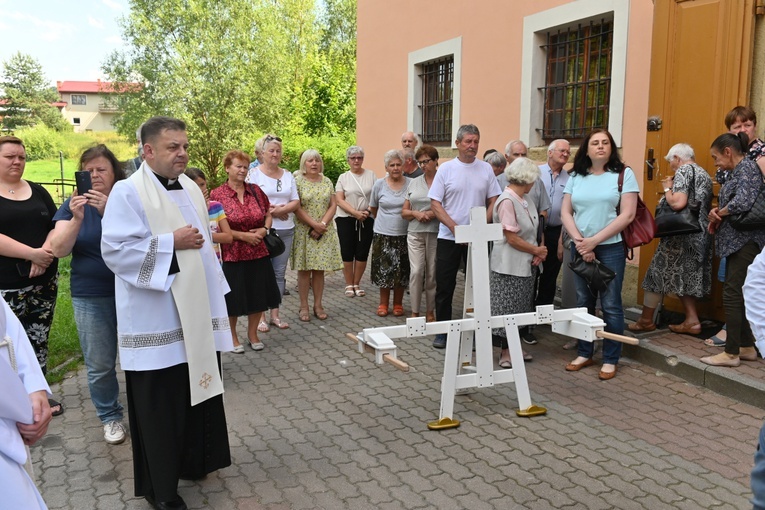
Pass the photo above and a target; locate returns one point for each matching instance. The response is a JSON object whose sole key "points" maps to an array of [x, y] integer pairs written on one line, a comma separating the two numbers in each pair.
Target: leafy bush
{"points": [[41, 142]]}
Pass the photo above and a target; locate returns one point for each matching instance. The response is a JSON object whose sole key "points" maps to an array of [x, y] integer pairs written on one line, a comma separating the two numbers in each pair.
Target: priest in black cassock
{"points": [[171, 315]]}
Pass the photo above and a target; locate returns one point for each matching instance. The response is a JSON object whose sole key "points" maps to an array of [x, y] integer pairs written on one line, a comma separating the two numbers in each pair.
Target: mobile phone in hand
{"points": [[84, 182]]}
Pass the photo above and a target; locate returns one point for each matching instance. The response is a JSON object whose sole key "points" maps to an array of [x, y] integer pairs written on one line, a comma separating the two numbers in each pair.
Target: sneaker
{"points": [[440, 341], [529, 338], [114, 432]]}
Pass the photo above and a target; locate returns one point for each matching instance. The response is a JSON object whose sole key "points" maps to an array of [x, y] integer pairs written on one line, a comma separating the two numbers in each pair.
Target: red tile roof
{"points": [[87, 87]]}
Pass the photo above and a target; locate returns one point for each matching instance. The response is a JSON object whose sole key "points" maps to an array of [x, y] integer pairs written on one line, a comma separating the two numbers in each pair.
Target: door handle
{"points": [[649, 165]]}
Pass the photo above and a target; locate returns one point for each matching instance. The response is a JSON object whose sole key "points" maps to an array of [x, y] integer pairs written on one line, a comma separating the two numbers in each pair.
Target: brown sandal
{"points": [[641, 325], [304, 315]]}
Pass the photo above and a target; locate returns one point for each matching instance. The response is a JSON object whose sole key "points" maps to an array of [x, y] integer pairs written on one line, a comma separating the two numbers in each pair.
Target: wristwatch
{"points": [[667, 189]]}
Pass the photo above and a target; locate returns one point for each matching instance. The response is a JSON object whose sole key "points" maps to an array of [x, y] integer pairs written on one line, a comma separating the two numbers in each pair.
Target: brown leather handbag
{"points": [[642, 230]]}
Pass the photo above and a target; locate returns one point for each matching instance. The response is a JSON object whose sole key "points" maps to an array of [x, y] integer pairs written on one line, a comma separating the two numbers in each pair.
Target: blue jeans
{"points": [[611, 256], [280, 263], [96, 319]]}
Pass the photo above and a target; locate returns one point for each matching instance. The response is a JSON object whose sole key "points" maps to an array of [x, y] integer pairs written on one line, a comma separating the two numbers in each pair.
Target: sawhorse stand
{"points": [[475, 328]]}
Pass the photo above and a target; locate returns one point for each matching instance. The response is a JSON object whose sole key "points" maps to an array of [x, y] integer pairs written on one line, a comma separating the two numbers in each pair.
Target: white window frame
{"points": [[451, 47], [84, 99], [76, 121], [534, 61]]}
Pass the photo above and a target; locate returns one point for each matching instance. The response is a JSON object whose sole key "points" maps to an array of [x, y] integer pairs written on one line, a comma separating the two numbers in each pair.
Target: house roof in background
{"points": [[88, 87]]}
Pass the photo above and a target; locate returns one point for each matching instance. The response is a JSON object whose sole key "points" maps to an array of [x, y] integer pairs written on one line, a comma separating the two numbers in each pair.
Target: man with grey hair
{"points": [[410, 168], [135, 163], [554, 179], [258, 159], [460, 184], [410, 140]]}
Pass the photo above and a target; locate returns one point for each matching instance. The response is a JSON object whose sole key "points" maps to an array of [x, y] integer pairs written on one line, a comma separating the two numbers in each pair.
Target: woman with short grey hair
{"points": [[354, 224], [390, 255], [516, 257], [682, 264]]}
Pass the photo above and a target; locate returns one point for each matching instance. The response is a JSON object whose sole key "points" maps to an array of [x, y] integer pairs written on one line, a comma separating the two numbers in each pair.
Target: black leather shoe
{"points": [[176, 504]]}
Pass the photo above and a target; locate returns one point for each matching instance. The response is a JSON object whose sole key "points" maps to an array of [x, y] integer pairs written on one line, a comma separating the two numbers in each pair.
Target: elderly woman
{"points": [[279, 186], [28, 269], [78, 231], [682, 264], [516, 257], [422, 234], [316, 248], [737, 195], [246, 263], [590, 199], [390, 256], [354, 224]]}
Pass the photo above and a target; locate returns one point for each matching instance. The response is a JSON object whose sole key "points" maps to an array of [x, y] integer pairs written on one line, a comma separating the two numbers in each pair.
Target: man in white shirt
{"points": [[459, 185], [171, 316]]}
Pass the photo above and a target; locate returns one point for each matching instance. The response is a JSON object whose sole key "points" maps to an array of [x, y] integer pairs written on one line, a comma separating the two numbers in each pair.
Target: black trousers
{"points": [[170, 438], [549, 278], [448, 257]]}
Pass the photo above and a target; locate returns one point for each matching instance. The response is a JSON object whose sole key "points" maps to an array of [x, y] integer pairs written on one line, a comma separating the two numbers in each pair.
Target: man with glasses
{"points": [[410, 168], [554, 179]]}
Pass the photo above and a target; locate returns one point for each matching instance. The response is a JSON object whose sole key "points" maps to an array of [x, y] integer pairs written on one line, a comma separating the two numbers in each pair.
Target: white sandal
{"points": [[349, 291], [359, 292]]}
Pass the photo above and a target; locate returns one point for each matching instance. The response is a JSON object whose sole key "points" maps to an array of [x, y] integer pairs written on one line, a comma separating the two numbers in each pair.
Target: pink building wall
{"points": [[492, 44]]}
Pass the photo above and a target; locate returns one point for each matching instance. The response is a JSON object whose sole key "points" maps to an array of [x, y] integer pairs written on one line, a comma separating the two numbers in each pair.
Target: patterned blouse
{"points": [[242, 217], [738, 194]]}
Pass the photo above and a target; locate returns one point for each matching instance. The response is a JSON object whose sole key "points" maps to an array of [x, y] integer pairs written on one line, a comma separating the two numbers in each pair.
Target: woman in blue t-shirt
{"points": [[78, 231], [589, 216]]}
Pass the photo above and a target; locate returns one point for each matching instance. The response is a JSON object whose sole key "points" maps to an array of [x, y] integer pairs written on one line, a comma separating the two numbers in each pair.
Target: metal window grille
{"points": [[437, 93], [578, 83]]}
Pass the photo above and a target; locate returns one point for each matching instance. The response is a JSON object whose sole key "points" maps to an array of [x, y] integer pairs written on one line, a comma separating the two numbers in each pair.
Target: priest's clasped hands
{"points": [[188, 238]]}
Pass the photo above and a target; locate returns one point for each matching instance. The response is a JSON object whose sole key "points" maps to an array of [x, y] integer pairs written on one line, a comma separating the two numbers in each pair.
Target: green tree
{"points": [[27, 97], [228, 68]]}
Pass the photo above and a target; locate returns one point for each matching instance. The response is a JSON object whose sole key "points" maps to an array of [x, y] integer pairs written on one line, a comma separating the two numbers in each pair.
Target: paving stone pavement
{"points": [[315, 425]]}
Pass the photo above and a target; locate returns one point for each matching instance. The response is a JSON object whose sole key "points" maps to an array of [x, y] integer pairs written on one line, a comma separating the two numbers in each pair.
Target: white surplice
{"points": [[16, 487], [148, 324]]}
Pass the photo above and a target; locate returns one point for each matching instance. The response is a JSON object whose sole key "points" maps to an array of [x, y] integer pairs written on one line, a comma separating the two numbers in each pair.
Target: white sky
{"points": [[69, 38]]}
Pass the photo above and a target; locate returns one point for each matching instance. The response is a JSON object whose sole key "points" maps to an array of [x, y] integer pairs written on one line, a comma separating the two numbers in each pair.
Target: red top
{"points": [[242, 217]]}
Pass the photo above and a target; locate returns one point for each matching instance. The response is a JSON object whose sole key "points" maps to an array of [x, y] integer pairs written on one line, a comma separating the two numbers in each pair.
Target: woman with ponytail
{"points": [[737, 195]]}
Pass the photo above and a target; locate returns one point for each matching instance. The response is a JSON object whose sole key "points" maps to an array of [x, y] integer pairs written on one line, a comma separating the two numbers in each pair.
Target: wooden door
{"points": [[701, 61]]}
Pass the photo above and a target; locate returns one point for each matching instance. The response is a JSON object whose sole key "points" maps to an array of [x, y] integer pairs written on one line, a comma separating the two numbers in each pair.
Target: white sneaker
{"points": [[114, 432]]}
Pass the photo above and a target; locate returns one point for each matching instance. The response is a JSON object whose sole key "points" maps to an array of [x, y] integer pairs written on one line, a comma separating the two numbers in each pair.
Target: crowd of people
{"points": [[190, 261]]}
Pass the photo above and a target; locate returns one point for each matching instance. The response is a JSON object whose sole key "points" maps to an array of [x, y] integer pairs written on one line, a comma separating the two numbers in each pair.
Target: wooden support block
{"points": [[617, 338], [395, 362]]}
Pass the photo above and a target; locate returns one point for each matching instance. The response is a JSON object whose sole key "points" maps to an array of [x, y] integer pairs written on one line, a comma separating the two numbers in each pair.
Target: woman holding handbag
{"points": [[738, 195], [279, 186], [246, 262], [682, 264], [589, 215]]}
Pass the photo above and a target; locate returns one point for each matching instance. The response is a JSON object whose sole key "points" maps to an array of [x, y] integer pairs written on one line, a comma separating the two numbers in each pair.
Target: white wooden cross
{"points": [[475, 326]]}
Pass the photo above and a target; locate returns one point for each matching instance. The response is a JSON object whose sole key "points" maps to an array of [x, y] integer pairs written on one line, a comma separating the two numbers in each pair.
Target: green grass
{"points": [[64, 353], [48, 171]]}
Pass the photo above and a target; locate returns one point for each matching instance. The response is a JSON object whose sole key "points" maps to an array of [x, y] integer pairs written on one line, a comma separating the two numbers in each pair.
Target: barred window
{"points": [[437, 93], [578, 83]]}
